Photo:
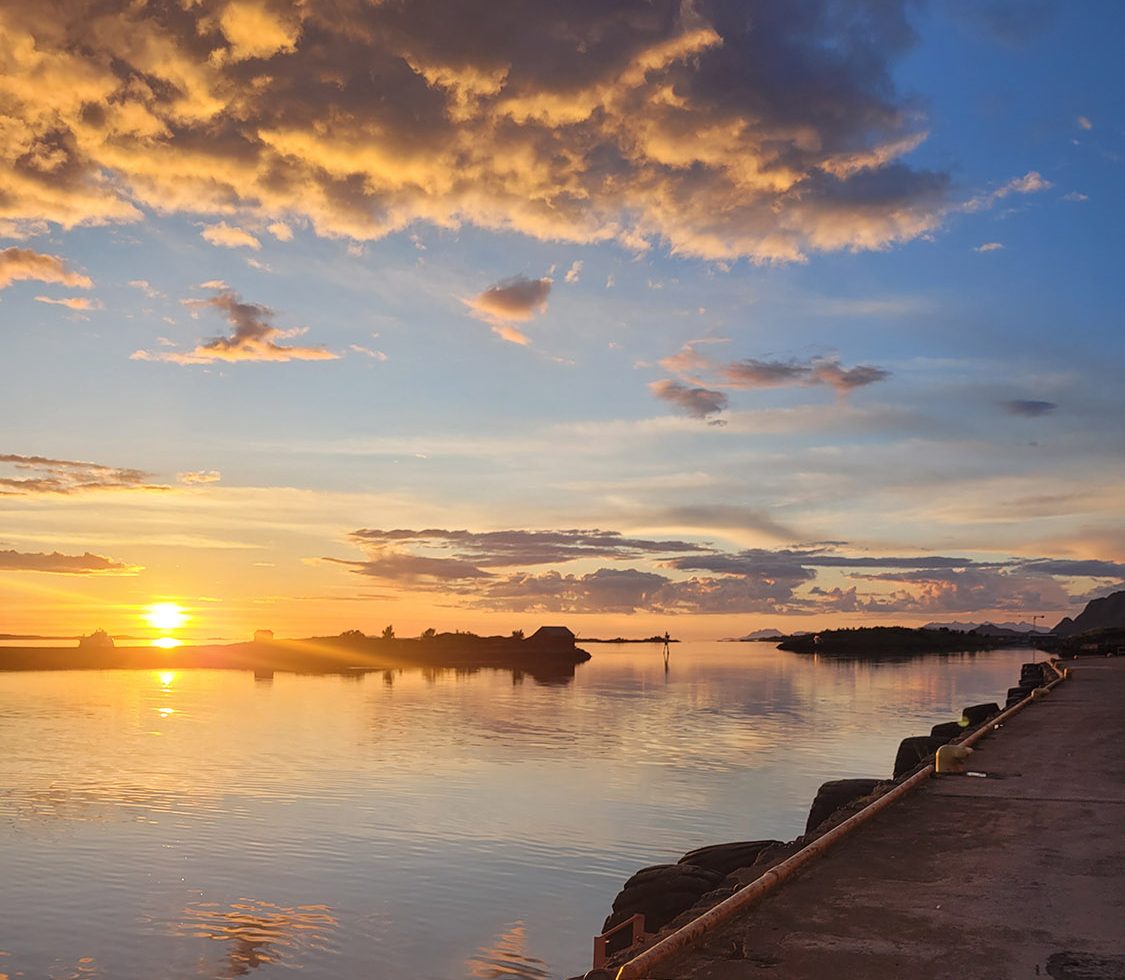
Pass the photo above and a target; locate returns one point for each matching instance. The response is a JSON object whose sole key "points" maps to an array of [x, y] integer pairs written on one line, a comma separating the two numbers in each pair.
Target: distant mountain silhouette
{"points": [[1099, 614], [959, 627]]}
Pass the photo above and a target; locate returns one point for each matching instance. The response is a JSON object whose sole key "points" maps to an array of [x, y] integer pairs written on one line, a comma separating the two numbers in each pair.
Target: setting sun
{"points": [[166, 616]]}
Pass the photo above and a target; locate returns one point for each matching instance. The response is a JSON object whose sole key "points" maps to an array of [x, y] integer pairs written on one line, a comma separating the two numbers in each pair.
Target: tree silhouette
{"points": [[388, 632]]}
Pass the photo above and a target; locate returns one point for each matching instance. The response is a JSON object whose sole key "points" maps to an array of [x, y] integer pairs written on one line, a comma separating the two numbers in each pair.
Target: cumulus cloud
{"points": [[574, 273], [254, 336], [697, 402], [1028, 407], [84, 564], [227, 236], [41, 474], [71, 302], [511, 301], [24, 263], [720, 129], [281, 231], [1030, 183], [518, 298], [989, 247], [503, 570], [195, 477]]}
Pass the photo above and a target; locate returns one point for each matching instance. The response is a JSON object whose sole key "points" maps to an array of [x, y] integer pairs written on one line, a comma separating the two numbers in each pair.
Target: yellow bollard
{"points": [[951, 758]]}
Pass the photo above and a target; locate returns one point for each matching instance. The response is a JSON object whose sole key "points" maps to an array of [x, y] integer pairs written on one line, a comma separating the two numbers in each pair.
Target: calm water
{"points": [[431, 825]]}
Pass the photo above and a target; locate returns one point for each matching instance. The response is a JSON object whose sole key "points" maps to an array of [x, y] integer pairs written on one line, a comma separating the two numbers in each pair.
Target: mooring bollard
{"points": [[951, 758]]}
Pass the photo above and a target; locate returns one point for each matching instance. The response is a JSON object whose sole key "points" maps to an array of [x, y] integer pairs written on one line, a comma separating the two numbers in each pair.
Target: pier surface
{"points": [[965, 878]]}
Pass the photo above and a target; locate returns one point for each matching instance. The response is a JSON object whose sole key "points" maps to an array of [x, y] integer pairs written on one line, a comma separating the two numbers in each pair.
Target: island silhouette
{"points": [[550, 652]]}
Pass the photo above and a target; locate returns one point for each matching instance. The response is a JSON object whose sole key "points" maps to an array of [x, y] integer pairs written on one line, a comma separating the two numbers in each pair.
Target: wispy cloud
{"points": [[41, 474], [254, 336], [77, 303], [989, 247], [1028, 407], [1030, 183], [376, 355], [705, 375], [147, 288], [1083, 122], [196, 477], [84, 564], [24, 263], [228, 236]]}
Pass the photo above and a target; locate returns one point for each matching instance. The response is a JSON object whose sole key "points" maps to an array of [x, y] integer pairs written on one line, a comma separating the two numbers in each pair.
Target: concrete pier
{"points": [[1018, 875]]}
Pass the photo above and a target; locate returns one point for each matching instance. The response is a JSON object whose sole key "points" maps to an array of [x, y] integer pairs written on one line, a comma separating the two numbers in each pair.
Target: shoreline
{"points": [[1010, 875], [315, 655]]}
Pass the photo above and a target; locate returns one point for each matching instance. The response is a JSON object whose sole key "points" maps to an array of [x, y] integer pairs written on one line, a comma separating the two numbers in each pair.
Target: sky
{"points": [[630, 315]]}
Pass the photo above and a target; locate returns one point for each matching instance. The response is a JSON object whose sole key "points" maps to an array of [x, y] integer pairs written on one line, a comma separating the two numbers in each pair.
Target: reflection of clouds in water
{"points": [[104, 803], [257, 932], [506, 957]]}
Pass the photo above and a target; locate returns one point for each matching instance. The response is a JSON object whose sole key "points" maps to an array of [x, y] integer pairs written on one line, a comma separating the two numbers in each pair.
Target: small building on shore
{"points": [[98, 640], [552, 638]]}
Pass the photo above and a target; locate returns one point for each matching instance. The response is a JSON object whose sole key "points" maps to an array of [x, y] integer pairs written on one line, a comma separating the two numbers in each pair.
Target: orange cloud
{"points": [[193, 477], [84, 564], [254, 338], [71, 302], [518, 298], [227, 236], [515, 299], [23, 263], [717, 135], [42, 474]]}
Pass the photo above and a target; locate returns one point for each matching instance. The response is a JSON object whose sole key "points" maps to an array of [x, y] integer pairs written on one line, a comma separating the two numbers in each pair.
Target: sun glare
{"points": [[166, 642], [166, 616]]}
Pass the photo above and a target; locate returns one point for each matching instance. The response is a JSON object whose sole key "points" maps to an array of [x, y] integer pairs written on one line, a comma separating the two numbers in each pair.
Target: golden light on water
{"points": [[166, 677], [166, 642], [166, 616]]}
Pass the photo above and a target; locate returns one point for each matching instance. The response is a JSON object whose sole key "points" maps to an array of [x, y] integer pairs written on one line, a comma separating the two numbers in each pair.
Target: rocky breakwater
{"points": [[662, 898]]}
